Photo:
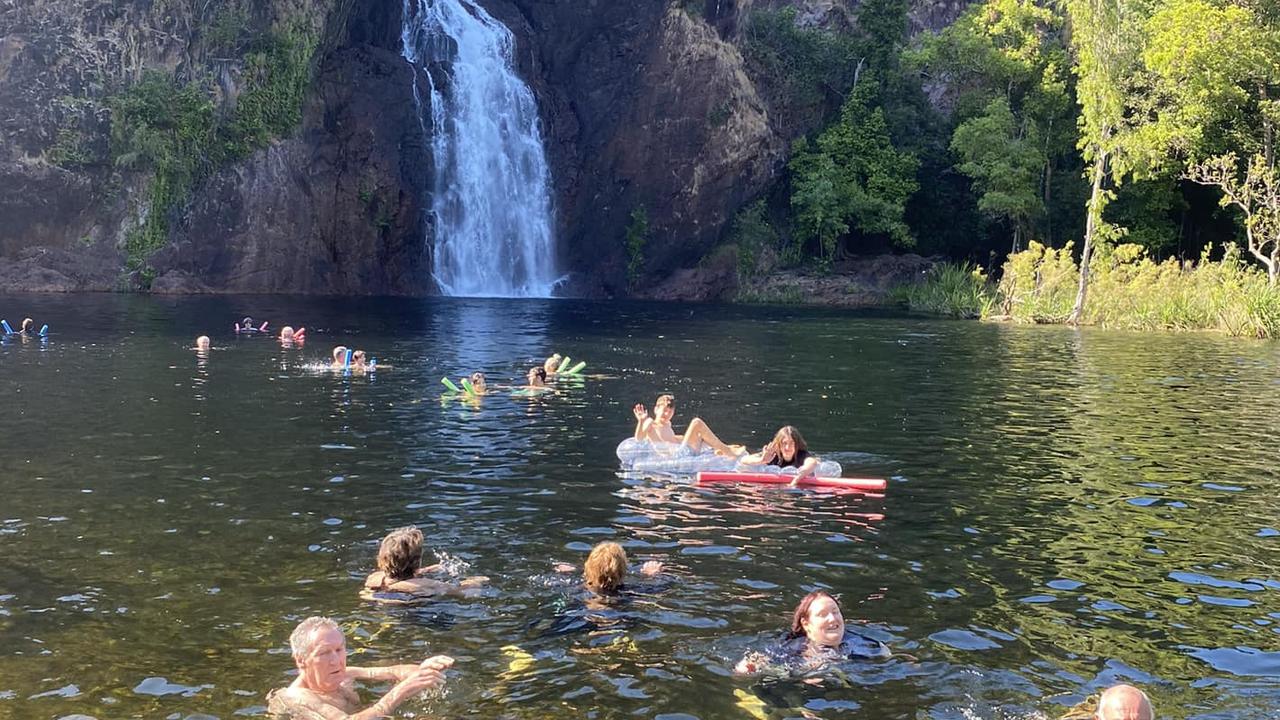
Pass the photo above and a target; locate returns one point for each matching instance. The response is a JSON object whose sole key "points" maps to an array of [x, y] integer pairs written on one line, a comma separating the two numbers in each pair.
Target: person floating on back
{"points": [[787, 449], [326, 685], [658, 429]]}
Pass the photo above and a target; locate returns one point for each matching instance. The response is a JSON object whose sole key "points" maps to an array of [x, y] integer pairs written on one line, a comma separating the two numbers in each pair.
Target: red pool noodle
{"points": [[877, 485]]}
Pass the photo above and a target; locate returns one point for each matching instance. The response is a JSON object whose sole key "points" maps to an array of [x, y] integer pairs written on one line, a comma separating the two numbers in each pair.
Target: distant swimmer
{"points": [[606, 568], [340, 359], [246, 326], [535, 381], [289, 336], [400, 575], [326, 685], [26, 329], [478, 384], [817, 636], [787, 449], [552, 365], [658, 429], [202, 343]]}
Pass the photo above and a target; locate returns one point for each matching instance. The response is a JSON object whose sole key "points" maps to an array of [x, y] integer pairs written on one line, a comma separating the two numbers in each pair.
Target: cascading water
{"points": [[492, 197]]}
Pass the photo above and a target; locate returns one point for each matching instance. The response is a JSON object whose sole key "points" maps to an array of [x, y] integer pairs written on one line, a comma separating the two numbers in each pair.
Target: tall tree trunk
{"points": [[1048, 198], [1092, 221]]}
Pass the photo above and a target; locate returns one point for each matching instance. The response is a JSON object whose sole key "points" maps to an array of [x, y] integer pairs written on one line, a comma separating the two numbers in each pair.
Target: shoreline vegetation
{"points": [[1127, 290]]}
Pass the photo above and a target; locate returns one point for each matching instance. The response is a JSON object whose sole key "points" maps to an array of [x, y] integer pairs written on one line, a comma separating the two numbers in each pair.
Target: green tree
{"points": [[1217, 70], [1107, 36], [852, 177], [1005, 162]]}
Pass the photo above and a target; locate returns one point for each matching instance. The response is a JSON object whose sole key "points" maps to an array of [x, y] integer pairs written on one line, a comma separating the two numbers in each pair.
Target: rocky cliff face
{"points": [[648, 104]]}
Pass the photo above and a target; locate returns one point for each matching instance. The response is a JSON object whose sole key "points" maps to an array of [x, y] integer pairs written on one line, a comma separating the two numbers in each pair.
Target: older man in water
{"points": [[325, 687], [1124, 702]]}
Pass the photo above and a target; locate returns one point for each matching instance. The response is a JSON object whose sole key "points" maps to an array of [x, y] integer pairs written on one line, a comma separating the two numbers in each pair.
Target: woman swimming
{"points": [[551, 365], [478, 385], [400, 572], [817, 636], [787, 449], [325, 686]]}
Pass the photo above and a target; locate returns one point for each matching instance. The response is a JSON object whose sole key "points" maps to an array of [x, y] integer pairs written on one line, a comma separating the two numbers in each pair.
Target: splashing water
{"points": [[491, 197]]}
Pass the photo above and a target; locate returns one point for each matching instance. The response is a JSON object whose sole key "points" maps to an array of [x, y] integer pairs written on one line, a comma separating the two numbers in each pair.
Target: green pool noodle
{"points": [[449, 384], [576, 368], [563, 364], [467, 387]]}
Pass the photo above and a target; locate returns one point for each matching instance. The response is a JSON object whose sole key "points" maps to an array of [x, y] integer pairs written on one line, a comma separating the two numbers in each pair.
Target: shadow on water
{"points": [[1065, 509]]}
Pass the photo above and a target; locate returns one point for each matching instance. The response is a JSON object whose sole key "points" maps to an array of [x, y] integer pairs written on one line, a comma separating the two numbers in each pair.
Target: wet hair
{"points": [[203, 340], [791, 432], [477, 377], [27, 324], [553, 362], [357, 356], [303, 638], [665, 399], [400, 554], [246, 322], [802, 610], [605, 568], [286, 331], [539, 372], [338, 353]]}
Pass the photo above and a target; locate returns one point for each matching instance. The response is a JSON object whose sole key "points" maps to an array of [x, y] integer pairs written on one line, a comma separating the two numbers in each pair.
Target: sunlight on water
{"points": [[1065, 510]]}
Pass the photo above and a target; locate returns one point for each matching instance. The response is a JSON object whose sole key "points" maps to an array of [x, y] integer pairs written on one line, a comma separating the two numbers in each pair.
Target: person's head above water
{"points": [[605, 568], [1124, 702], [664, 407], [400, 554], [552, 364], [247, 322], [477, 380], [28, 325], [286, 333], [358, 358], [320, 652], [788, 441], [202, 342], [537, 376], [818, 618], [340, 354]]}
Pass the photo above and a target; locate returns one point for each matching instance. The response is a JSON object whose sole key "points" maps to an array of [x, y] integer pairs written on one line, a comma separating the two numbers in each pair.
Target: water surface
{"points": [[1065, 510]]}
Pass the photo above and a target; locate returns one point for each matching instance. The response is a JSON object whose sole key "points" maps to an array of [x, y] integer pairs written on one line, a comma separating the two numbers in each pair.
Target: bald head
{"points": [[1124, 702]]}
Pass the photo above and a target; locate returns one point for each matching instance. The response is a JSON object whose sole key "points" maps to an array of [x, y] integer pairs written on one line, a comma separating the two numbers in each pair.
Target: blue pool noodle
{"points": [[7, 330], [347, 361], [44, 330]]}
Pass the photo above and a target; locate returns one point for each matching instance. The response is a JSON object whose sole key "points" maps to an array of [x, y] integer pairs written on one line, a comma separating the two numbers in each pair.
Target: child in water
{"points": [[817, 636], [401, 574], [606, 568]]}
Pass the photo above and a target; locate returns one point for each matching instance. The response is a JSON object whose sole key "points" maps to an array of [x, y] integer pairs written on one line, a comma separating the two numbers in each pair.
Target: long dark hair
{"points": [[791, 432], [802, 610]]}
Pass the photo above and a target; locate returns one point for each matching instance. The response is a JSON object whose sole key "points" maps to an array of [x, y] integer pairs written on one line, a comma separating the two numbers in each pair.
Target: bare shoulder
{"points": [[375, 579], [301, 704]]}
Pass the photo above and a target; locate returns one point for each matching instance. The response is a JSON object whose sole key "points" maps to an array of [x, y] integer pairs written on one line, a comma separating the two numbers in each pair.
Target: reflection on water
{"points": [[1066, 510]]}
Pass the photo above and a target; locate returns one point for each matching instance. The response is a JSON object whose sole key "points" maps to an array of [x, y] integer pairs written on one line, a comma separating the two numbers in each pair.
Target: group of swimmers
{"points": [[325, 684]]}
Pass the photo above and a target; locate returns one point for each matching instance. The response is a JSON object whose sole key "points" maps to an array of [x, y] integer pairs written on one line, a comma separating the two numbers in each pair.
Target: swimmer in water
{"points": [[359, 361], [400, 571], [340, 357], [817, 637], [28, 326], [606, 568], [202, 343], [326, 685], [536, 380], [658, 429], [478, 386], [787, 449], [289, 336], [552, 365]]}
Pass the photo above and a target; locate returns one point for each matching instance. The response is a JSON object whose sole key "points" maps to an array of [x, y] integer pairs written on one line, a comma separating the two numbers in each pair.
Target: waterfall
{"points": [[491, 190]]}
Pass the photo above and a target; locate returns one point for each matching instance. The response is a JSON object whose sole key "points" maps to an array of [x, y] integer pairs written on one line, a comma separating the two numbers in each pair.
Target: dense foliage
{"points": [[174, 130], [1080, 129]]}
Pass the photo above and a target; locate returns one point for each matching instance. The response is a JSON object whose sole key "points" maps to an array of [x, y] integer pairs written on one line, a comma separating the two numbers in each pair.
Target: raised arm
{"points": [[764, 457], [806, 469], [642, 421], [410, 680]]}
